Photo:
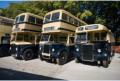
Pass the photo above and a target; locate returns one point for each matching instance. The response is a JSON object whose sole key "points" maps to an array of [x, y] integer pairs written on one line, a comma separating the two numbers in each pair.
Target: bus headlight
{"points": [[99, 50], [77, 49], [16, 49], [40, 48], [53, 49], [10, 48], [105, 54]]}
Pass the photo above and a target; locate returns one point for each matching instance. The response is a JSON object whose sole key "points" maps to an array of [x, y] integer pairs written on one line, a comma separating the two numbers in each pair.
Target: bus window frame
{"points": [[22, 19], [54, 14], [47, 20], [29, 20], [63, 15], [40, 21]]}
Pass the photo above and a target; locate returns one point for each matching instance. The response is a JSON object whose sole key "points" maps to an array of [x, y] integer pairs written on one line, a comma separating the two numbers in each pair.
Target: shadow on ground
{"points": [[2, 56], [8, 74]]}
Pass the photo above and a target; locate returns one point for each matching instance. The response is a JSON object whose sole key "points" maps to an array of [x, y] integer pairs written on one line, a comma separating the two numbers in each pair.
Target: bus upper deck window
{"points": [[31, 19], [71, 20], [78, 23], [21, 19], [55, 16], [16, 20], [75, 22], [38, 21], [64, 17], [47, 18]]}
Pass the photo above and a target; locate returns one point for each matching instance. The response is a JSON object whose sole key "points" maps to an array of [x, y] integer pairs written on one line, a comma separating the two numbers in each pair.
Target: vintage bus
{"points": [[93, 44], [5, 31], [25, 36], [57, 40]]}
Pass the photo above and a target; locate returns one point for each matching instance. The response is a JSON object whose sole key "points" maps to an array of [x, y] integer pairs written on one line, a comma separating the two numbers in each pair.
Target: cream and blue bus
{"points": [[57, 40], [5, 31], [93, 44], [25, 36]]}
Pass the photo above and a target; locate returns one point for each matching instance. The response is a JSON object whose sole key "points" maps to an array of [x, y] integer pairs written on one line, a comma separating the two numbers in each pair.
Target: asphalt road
{"points": [[11, 69]]}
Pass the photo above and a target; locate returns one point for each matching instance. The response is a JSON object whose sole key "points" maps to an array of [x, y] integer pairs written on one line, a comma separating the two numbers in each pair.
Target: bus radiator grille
{"points": [[46, 49], [87, 52]]}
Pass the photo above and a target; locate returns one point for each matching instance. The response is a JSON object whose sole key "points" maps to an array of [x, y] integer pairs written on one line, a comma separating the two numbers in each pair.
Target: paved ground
{"points": [[11, 68]]}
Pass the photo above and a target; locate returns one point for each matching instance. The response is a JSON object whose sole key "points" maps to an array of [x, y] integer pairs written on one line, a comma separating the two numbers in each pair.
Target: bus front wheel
{"points": [[40, 57], [62, 58], [77, 60], [27, 54], [105, 63]]}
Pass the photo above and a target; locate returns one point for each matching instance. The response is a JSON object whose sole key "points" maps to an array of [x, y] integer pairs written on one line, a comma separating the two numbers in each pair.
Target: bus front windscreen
{"points": [[81, 37], [20, 19], [27, 37], [45, 37], [58, 38]]}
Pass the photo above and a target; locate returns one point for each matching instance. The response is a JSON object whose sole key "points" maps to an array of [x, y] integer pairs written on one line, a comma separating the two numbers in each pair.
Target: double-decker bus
{"points": [[93, 43], [5, 31], [57, 40], [25, 36]]}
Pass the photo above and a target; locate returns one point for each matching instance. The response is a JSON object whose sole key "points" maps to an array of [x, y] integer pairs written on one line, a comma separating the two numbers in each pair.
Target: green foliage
{"points": [[102, 12], [99, 20], [86, 14]]}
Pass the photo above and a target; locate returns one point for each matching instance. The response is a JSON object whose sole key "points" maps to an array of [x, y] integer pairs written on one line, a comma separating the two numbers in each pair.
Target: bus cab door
{"points": [[4, 46], [70, 45]]}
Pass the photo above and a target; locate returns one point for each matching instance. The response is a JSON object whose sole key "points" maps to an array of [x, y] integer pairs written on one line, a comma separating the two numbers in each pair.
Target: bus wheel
{"points": [[62, 58], [40, 57], [77, 60], [105, 63], [27, 54]]}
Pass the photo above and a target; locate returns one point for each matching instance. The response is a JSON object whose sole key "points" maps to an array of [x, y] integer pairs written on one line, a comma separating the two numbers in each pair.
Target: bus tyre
{"points": [[40, 57], [27, 54], [105, 63], [62, 58], [77, 60]]}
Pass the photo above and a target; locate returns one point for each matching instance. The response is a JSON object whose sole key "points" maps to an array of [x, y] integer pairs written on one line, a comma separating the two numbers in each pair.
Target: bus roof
{"points": [[1, 17], [27, 13], [98, 27], [64, 11]]}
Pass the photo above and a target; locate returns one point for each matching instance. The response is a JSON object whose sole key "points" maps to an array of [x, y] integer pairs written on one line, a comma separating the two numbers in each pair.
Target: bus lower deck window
{"points": [[96, 36], [103, 35]]}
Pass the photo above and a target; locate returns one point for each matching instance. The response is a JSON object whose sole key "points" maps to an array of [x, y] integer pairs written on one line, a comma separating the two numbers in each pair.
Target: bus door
{"points": [[71, 44], [4, 46]]}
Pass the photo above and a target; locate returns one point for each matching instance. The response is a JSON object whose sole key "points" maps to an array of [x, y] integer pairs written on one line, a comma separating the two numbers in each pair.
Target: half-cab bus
{"points": [[5, 31], [57, 39], [25, 36], [93, 44]]}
